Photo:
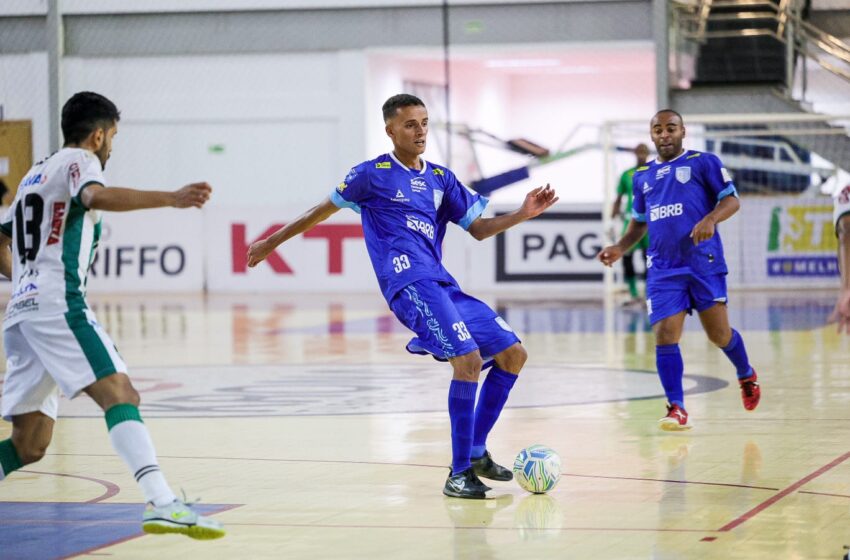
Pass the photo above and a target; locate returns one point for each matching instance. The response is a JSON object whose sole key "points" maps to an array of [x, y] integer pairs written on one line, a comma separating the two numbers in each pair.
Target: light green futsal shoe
{"points": [[177, 517]]}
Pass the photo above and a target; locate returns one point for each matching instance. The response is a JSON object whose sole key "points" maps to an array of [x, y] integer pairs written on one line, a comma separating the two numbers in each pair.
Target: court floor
{"points": [[307, 429]]}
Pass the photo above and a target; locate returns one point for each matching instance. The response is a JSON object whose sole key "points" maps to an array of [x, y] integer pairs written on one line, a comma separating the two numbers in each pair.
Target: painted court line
{"points": [[94, 549], [725, 484], [420, 465], [824, 494], [470, 528], [772, 500], [112, 489]]}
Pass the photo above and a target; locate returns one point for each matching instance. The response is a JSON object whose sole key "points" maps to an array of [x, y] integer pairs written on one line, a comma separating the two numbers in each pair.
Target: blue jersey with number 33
{"points": [[405, 213], [672, 197]]}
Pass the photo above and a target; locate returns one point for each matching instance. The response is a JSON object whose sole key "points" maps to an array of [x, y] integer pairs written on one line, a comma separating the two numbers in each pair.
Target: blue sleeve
{"points": [[716, 178], [638, 201], [352, 190], [461, 205]]}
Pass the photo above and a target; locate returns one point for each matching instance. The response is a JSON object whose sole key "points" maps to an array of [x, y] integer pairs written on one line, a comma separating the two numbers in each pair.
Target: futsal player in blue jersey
{"points": [[405, 204], [680, 198]]}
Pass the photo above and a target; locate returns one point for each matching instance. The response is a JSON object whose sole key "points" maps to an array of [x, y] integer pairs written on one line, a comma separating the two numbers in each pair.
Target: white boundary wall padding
{"points": [[775, 240], [552, 256]]}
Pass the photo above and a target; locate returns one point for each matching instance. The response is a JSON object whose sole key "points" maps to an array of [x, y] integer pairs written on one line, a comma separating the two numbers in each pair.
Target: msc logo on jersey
{"points": [[683, 174], [418, 184], [667, 211], [662, 172], [421, 226], [384, 165]]}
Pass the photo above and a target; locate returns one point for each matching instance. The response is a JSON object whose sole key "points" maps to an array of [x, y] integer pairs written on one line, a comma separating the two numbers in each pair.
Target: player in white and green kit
{"points": [[52, 339]]}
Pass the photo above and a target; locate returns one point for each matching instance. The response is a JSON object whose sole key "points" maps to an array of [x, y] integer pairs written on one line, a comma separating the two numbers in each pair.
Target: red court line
{"points": [[772, 500], [112, 489]]}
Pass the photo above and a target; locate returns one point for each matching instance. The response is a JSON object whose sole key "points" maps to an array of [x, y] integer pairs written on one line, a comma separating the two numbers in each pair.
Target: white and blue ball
{"points": [[537, 469]]}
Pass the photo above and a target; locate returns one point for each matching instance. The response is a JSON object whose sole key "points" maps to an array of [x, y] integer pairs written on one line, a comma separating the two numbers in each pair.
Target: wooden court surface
{"points": [[305, 423]]}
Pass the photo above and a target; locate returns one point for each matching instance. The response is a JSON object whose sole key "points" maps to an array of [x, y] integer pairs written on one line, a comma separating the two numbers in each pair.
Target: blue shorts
{"points": [[668, 296], [449, 323]]}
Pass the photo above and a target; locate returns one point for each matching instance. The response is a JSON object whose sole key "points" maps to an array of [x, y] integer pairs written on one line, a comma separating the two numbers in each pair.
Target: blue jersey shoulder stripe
{"points": [[340, 202], [473, 213], [730, 190]]}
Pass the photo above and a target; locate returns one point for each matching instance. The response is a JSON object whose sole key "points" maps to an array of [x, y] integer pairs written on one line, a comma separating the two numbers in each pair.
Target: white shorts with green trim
{"points": [[46, 354]]}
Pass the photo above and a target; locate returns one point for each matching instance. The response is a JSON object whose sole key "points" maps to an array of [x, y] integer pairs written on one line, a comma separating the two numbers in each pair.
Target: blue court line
{"points": [[54, 530]]}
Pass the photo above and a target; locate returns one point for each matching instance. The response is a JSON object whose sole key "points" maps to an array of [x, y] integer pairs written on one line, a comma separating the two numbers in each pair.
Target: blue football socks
{"points": [[494, 395], [668, 360], [737, 354], [462, 415]]}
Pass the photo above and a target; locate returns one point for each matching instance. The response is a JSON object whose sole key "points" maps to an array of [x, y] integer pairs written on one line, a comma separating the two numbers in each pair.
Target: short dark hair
{"points": [[85, 112], [669, 111], [398, 101]]}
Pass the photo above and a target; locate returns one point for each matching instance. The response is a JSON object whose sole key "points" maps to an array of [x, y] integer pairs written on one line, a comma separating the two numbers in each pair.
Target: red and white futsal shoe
{"points": [[750, 391], [676, 419]]}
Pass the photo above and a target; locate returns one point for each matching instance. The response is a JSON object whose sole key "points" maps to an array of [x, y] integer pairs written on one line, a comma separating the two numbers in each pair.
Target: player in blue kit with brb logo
{"points": [[680, 198], [406, 203]]}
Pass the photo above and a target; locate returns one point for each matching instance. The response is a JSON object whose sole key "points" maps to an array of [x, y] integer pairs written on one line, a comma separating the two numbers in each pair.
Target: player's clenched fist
{"points": [[609, 255], [192, 195], [258, 251]]}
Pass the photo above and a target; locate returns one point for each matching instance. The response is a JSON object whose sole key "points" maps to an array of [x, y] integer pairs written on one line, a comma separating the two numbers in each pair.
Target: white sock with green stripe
{"points": [[132, 441]]}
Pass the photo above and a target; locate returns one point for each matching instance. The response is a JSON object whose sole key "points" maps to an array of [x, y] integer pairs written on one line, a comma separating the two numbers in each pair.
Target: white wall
{"points": [[262, 129], [277, 132], [29, 7], [23, 95], [557, 90], [603, 84]]}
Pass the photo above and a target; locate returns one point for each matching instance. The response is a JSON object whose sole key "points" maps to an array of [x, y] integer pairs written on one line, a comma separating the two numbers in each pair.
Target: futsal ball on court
{"points": [[537, 469]]}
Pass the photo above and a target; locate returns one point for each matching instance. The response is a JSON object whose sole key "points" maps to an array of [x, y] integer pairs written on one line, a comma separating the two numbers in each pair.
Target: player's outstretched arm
{"points": [[634, 233], [725, 209], [120, 199], [535, 203], [5, 256], [841, 313], [259, 250]]}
